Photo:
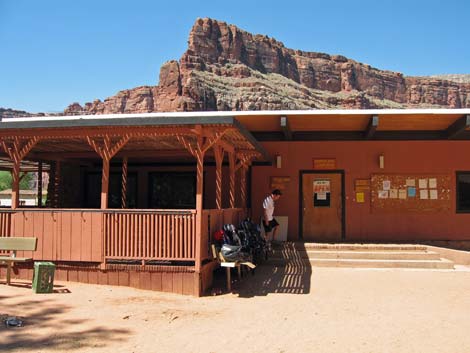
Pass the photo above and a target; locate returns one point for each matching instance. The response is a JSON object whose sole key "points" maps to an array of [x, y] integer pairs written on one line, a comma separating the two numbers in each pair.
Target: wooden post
{"points": [[50, 186], [39, 188], [57, 180], [244, 173], [15, 186], [219, 157], [124, 183], [105, 184], [199, 199], [231, 162], [204, 142]]}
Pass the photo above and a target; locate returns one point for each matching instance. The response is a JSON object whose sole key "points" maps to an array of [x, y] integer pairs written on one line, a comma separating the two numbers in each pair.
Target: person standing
{"points": [[269, 222]]}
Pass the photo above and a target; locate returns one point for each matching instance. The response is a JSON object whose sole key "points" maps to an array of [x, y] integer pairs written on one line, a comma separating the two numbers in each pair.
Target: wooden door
{"points": [[322, 206]]}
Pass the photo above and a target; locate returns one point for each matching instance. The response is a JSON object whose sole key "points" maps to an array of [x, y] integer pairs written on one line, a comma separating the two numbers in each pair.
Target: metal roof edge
{"points": [[221, 114], [98, 120]]}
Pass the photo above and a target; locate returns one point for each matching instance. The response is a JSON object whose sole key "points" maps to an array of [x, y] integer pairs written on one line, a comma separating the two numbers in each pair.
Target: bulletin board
{"points": [[403, 193]]}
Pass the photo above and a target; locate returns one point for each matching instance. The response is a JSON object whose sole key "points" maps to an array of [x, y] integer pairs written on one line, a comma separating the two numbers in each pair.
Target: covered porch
{"points": [[132, 199]]}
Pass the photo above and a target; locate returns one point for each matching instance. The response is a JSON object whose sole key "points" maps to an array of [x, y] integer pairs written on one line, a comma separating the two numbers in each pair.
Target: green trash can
{"points": [[43, 281]]}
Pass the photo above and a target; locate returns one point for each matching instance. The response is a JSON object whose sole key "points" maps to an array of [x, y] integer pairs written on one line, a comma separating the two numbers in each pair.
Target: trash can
{"points": [[43, 281]]}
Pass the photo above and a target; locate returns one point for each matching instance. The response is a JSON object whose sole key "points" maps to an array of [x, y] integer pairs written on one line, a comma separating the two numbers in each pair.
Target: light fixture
{"points": [[381, 161]]}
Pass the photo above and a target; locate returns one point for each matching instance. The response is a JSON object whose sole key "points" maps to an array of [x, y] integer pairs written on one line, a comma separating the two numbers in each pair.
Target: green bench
{"points": [[14, 244]]}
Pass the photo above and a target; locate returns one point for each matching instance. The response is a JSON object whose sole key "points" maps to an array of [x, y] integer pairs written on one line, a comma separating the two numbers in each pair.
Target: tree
{"points": [[6, 181]]}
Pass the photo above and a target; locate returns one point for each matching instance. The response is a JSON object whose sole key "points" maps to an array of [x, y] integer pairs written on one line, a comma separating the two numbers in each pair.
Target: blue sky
{"points": [[53, 53]]}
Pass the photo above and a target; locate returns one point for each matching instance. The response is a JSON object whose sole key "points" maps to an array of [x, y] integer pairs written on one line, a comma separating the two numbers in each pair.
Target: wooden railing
{"points": [[150, 234], [63, 235], [85, 235], [5, 224]]}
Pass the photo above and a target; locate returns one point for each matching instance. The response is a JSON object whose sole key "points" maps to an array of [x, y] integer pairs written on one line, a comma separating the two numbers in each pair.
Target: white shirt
{"points": [[268, 205]]}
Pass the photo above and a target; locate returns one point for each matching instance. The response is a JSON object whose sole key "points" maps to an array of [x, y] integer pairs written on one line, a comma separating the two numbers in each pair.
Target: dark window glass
{"points": [[169, 190], [463, 192], [93, 190]]}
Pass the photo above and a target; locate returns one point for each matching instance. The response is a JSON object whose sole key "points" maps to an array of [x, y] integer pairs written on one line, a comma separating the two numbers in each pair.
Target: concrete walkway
{"points": [[291, 309]]}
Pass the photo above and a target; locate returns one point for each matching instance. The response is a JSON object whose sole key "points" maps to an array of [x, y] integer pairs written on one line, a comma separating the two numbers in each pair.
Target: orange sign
{"points": [[324, 164], [362, 185], [279, 182]]}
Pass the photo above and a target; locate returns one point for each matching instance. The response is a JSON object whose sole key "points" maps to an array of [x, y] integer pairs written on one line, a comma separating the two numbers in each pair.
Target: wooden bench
{"points": [[13, 244], [217, 255]]}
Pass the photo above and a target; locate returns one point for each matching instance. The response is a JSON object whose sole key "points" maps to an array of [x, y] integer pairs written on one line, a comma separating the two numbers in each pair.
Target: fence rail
{"points": [[155, 235]]}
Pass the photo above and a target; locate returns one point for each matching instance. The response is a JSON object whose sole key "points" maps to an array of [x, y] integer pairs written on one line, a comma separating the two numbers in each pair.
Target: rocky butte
{"points": [[226, 68]]}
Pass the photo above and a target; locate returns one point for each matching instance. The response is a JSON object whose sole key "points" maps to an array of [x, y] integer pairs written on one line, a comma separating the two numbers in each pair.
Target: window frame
{"points": [[457, 190]]}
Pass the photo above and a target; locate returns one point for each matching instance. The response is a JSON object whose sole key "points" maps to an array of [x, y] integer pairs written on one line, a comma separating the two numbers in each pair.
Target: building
{"points": [[134, 198], [27, 198]]}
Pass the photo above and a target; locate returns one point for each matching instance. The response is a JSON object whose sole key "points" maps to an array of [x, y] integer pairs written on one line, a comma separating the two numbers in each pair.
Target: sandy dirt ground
{"points": [[294, 309]]}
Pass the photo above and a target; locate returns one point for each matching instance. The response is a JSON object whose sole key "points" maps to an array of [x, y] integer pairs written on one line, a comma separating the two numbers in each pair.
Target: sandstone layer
{"points": [[226, 68]]}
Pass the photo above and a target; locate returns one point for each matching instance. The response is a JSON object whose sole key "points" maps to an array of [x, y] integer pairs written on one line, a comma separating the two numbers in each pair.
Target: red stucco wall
{"points": [[359, 159]]}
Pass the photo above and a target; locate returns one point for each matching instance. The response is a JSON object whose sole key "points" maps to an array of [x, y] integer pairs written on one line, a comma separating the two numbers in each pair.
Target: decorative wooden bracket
{"points": [[19, 148], [204, 140], [245, 158], [17, 151], [106, 151], [187, 144]]}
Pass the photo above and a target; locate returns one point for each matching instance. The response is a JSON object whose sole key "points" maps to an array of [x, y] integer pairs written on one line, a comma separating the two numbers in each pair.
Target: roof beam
{"points": [[457, 127], [285, 127], [353, 135], [371, 127]]}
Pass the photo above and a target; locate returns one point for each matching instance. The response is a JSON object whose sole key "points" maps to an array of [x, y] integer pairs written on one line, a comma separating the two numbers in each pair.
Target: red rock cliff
{"points": [[225, 68]]}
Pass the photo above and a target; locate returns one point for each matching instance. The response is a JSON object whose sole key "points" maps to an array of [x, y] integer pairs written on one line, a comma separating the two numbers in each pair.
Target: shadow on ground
{"points": [[289, 274], [43, 316]]}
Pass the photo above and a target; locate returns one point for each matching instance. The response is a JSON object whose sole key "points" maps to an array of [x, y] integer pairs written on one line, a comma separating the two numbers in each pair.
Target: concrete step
{"points": [[364, 263], [352, 247], [358, 254]]}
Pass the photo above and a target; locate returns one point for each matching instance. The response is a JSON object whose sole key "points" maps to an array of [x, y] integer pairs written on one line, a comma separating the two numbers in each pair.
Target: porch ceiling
{"points": [[359, 125]]}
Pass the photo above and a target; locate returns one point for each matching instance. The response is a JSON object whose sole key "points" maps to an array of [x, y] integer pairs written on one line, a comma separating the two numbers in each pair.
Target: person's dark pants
{"points": [[270, 226]]}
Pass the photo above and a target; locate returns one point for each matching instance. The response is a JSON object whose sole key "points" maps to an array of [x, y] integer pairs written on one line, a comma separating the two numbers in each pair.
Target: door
{"points": [[322, 206]]}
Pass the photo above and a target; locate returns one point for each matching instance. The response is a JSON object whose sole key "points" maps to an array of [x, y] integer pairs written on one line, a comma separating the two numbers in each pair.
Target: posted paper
{"points": [[423, 194], [432, 183], [359, 197], [433, 194], [402, 194], [383, 194], [410, 182], [423, 183], [386, 184], [393, 194]]}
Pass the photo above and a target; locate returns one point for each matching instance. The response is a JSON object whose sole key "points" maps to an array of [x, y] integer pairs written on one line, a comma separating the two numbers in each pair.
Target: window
{"points": [[172, 190], [93, 190], [463, 192]]}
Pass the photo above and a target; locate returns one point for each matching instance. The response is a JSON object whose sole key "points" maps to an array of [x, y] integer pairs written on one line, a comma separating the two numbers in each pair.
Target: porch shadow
{"points": [[46, 327], [287, 273]]}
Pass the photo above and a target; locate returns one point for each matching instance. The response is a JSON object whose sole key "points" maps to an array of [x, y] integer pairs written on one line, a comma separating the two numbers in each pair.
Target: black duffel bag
{"points": [[235, 253]]}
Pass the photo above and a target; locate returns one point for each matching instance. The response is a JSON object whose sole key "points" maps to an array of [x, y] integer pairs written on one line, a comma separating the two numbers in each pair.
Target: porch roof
{"points": [[252, 126], [67, 135]]}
